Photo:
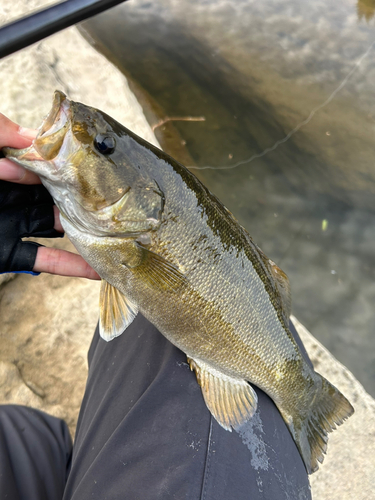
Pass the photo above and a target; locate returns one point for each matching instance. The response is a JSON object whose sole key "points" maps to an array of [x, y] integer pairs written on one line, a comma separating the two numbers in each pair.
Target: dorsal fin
{"points": [[116, 312], [232, 401], [283, 287]]}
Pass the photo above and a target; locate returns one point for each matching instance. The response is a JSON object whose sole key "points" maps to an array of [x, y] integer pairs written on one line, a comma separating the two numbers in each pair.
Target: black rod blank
{"points": [[30, 29]]}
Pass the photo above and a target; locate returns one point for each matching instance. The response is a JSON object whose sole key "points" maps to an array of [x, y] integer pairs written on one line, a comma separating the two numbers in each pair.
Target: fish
{"points": [[165, 246]]}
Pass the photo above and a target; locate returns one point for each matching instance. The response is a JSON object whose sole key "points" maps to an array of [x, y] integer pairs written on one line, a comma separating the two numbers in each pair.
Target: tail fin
{"points": [[328, 409]]}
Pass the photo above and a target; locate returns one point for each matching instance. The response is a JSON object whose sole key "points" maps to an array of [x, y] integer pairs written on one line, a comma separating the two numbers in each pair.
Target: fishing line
{"points": [[300, 125]]}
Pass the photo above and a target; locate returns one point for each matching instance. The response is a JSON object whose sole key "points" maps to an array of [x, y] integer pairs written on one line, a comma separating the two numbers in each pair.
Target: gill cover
{"points": [[89, 163]]}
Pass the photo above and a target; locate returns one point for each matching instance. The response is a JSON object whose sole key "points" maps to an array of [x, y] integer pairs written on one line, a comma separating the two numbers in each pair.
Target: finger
{"points": [[13, 135], [57, 226], [54, 261], [12, 172]]}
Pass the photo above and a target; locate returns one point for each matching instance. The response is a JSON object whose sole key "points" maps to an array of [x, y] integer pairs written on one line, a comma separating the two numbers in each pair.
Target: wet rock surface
{"points": [[46, 322]]}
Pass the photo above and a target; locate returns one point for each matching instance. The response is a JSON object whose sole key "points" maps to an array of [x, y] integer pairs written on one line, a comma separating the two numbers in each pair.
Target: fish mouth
{"points": [[49, 140], [57, 118], [52, 132]]}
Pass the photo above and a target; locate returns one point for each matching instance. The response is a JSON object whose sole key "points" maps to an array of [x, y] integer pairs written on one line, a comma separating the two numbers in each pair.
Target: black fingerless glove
{"points": [[25, 210]]}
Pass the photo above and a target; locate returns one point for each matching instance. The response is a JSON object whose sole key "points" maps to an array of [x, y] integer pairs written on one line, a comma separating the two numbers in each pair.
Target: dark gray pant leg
{"points": [[144, 433], [35, 452]]}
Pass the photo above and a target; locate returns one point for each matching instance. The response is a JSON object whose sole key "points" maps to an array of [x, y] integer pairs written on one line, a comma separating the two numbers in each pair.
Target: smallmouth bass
{"points": [[165, 246]]}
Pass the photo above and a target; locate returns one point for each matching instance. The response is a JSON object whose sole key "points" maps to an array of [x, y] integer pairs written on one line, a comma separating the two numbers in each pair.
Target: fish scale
{"points": [[165, 246], [226, 277]]}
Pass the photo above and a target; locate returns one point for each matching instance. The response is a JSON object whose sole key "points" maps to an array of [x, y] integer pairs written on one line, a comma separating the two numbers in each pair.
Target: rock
{"points": [[29, 78], [47, 324], [4, 278], [14, 388]]}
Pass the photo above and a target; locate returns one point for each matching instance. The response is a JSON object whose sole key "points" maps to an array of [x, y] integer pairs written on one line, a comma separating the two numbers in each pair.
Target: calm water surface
{"points": [[286, 91]]}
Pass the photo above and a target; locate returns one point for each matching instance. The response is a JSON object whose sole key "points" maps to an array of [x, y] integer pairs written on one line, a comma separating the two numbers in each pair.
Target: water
{"points": [[286, 92]]}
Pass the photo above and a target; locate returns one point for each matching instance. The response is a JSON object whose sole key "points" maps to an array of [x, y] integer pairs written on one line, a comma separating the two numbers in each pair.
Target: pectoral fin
{"points": [[116, 312], [231, 401], [154, 269]]}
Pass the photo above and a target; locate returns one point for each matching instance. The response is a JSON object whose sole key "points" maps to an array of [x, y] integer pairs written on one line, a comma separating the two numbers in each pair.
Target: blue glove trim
{"points": [[22, 272]]}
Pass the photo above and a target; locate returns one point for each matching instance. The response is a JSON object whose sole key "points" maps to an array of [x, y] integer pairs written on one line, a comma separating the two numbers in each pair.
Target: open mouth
{"points": [[52, 132], [51, 119], [50, 138]]}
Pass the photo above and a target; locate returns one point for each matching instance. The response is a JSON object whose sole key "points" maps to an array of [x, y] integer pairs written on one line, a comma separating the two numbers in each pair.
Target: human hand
{"points": [[27, 209]]}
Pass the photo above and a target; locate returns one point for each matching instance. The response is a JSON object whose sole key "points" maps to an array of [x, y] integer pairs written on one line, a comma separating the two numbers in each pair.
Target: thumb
{"points": [[13, 135]]}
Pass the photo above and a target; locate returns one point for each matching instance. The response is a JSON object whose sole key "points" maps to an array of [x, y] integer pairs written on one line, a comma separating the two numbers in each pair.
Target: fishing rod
{"points": [[36, 26]]}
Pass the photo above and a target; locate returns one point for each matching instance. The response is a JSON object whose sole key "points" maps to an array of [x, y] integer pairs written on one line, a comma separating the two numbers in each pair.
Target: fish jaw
{"points": [[88, 187], [51, 142]]}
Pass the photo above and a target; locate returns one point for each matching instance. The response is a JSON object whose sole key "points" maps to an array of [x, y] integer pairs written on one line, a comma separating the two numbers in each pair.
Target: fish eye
{"points": [[105, 144]]}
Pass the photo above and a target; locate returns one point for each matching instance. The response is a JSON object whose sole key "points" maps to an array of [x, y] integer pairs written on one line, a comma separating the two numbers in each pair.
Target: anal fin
{"points": [[232, 401], [116, 312]]}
